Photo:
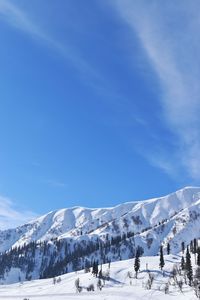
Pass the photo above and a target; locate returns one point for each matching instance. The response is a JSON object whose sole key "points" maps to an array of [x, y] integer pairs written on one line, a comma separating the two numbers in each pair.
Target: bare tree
{"points": [[99, 284], [180, 285], [130, 276], [197, 288], [149, 281], [166, 288], [77, 285]]}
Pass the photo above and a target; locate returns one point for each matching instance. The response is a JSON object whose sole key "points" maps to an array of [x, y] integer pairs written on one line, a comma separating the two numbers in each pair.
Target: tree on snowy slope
{"points": [[77, 285], [162, 262], [182, 263], [137, 262], [95, 268], [188, 266], [168, 248], [195, 245], [198, 256], [183, 247], [195, 250], [196, 282]]}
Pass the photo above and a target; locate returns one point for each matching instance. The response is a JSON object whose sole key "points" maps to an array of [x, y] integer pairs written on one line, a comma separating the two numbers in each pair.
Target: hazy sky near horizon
{"points": [[99, 102]]}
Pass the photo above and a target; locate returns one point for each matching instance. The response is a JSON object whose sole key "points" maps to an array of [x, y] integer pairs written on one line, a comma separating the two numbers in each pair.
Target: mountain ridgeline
{"points": [[72, 239]]}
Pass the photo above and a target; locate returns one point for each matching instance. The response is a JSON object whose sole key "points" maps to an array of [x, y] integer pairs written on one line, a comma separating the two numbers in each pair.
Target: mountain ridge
{"points": [[68, 221], [68, 239]]}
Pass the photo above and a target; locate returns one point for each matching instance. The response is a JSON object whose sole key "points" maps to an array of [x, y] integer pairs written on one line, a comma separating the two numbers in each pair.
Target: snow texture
{"points": [[119, 287]]}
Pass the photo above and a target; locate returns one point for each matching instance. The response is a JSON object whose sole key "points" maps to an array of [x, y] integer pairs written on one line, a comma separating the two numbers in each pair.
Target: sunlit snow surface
{"points": [[117, 288], [178, 208]]}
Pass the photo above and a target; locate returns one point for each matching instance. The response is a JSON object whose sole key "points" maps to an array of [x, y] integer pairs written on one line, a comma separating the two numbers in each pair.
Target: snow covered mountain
{"points": [[174, 209], [61, 237]]}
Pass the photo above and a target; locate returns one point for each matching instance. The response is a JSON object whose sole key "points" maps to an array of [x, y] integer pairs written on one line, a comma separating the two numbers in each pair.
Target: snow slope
{"points": [[119, 287], [75, 236], [73, 222]]}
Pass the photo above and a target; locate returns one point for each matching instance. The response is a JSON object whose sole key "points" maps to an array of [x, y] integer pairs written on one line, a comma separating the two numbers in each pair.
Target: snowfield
{"points": [[119, 287]]}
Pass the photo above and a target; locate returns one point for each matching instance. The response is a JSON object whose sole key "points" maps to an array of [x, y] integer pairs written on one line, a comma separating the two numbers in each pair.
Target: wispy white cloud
{"points": [[169, 35], [24, 21], [159, 160], [56, 183], [10, 216], [11, 13]]}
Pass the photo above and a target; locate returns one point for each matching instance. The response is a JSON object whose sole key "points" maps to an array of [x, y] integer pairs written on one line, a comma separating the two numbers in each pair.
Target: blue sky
{"points": [[99, 102]]}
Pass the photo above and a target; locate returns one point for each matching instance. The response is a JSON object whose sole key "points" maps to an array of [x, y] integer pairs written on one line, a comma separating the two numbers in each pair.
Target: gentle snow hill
{"points": [[175, 210], [119, 287]]}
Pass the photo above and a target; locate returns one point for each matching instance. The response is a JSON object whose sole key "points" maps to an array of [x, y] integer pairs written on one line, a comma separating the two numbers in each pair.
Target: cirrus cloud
{"points": [[169, 36], [10, 216]]}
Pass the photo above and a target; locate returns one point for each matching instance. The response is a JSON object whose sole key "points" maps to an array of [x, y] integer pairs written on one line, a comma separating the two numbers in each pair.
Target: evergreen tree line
{"points": [[56, 257]]}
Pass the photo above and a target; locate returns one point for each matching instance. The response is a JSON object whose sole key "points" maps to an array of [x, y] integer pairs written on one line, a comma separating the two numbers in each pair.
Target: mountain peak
{"points": [[169, 219]]}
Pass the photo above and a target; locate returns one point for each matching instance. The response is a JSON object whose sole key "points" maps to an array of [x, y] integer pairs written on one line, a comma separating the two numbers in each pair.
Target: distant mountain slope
{"points": [[77, 221], [70, 239]]}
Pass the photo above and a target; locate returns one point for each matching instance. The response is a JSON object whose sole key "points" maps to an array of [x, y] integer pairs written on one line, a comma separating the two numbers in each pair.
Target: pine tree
{"points": [[100, 273], [99, 284], [183, 247], [188, 266], [168, 248], [191, 247], [109, 263], [195, 250], [95, 268], [197, 273], [195, 246], [137, 263], [182, 263], [198, 256], [162, 262]]}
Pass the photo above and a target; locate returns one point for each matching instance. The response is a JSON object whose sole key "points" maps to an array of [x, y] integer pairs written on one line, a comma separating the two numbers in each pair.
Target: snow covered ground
{"points": [[119, 287]]}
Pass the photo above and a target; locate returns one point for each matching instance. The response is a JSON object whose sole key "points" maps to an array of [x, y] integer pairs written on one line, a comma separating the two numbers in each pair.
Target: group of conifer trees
{"points": [[56, 257], [186, 263]]}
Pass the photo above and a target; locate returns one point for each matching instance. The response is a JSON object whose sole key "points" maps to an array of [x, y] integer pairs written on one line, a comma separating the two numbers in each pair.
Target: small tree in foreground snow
{"points": [[166, 288], [130, 276], [180, 285], [149, 281], [77, 285], [197, 288], [168, 248], [198, 256], [182, 263], [162, 262], [95, 269], [99, 284], [188, 267], [137, 263]]}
